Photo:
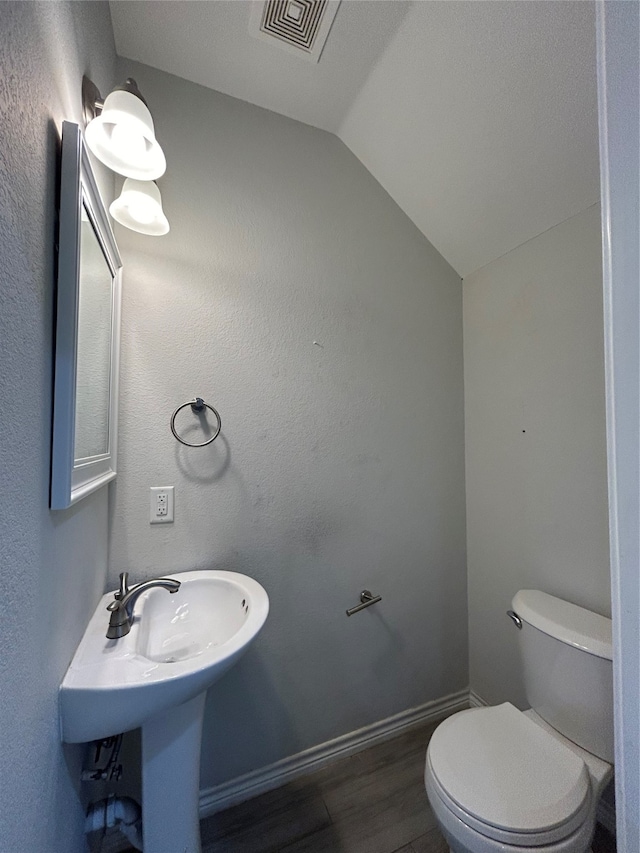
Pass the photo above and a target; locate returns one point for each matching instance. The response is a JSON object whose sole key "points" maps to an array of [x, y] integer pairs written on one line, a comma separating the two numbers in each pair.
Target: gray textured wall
{"points": [[340, 466], [52, 565], [537, 514]]}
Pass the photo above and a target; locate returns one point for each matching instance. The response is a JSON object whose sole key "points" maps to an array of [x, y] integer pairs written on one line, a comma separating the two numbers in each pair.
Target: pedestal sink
{"points": [[156, 677]]}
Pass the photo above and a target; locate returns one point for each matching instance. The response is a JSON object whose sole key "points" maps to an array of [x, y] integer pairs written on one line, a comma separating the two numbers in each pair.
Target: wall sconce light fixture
{"points": [[139, 207], [120, 131]]}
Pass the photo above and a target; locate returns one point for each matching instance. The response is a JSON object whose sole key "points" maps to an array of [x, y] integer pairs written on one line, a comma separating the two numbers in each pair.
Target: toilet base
{"points": [[451, 850]]}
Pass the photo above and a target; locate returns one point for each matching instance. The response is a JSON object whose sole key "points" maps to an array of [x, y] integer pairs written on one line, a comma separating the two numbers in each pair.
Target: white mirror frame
{"points": [[72, 479]]}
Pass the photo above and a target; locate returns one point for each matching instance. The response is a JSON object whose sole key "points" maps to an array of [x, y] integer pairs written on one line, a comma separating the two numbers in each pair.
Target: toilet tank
{"points": [[566, 657]]}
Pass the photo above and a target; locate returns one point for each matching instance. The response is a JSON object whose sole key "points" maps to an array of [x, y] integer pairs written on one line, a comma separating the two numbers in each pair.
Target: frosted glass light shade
{"points": [[139, 207], [123, 138]]}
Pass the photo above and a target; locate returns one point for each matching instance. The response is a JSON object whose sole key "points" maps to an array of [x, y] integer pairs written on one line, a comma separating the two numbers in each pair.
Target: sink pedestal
{"points": [[171, 779]]}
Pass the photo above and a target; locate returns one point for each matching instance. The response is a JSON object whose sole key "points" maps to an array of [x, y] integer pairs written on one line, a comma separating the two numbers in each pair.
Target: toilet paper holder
{"points": [[367, 599]]}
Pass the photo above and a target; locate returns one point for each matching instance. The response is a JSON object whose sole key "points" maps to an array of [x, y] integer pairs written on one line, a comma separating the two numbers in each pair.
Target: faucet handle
{"points": [[124, 585]]}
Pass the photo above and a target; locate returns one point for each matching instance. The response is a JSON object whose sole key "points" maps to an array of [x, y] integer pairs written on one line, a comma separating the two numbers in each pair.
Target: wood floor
{"points": [[373, 802]]}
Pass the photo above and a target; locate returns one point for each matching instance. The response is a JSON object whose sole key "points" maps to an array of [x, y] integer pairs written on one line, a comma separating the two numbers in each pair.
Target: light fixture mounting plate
{"points": [[92, 101]]}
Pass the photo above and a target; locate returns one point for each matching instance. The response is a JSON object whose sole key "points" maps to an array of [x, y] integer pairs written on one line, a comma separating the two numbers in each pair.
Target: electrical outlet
{"points": [[161, 505]]}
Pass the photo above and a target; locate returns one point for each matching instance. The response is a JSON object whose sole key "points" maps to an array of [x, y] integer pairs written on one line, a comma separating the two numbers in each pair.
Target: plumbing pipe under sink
{"points": [[121, 812]]}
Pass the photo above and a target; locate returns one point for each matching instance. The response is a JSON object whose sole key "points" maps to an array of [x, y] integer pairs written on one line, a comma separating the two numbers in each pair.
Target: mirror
{"points": [[87, 333]]}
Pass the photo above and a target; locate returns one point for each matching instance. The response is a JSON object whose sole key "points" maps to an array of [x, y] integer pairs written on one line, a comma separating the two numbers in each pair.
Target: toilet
{"points": [[500, 779]]}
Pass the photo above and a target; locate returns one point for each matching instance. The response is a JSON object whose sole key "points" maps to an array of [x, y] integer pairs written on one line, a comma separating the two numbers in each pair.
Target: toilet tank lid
{"points": [[566, 622]]}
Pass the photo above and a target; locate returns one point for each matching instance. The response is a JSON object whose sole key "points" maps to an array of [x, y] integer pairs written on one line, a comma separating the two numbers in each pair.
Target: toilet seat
{"points": [[506, 778]]}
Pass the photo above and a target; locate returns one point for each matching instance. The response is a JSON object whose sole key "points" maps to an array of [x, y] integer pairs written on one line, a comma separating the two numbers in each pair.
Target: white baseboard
{"points": [[476, 701], [245, 787]]}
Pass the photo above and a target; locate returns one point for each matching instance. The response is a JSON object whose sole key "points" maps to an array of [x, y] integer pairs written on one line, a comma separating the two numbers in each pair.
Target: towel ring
{"points": [[198, 405]]}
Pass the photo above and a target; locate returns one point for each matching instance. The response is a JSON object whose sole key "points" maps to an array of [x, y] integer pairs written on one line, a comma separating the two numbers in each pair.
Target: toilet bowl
{"points": [[499, 779]]}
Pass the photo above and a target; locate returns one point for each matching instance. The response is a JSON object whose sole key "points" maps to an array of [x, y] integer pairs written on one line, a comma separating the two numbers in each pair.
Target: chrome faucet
{"points": [[122, 608]]}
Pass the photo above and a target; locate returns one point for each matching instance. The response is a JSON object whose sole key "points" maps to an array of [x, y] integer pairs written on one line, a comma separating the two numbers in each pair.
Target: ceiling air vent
{"points": [[300, 27]]}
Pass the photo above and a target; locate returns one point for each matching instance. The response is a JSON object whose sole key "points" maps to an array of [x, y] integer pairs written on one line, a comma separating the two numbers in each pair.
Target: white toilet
{"points": [[502, 780]]}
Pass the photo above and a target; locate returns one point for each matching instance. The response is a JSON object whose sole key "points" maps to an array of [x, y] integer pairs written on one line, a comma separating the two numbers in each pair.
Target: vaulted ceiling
{"points": [[478, 118]]}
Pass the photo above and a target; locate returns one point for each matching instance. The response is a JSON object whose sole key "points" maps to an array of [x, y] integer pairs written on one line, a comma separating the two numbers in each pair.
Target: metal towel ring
{"points": [[198, 405]]}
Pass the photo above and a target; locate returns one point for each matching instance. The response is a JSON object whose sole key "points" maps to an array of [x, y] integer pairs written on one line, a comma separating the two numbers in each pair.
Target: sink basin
{"points": [[179, 644]]}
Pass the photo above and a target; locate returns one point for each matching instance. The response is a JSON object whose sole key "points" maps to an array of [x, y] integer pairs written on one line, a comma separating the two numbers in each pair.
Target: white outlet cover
{"points": [[155, 517]]}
